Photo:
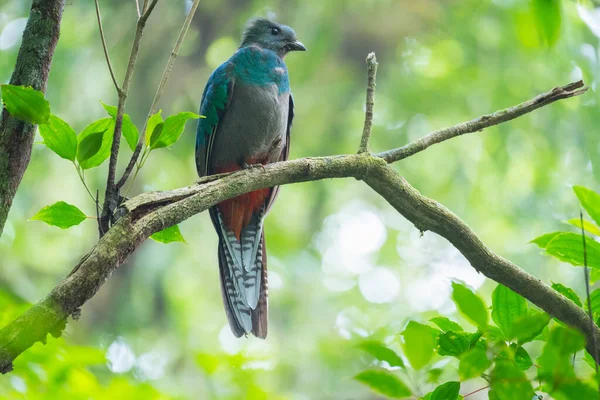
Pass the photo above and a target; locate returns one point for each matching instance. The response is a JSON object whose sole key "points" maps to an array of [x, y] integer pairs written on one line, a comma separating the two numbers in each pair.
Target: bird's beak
{"points": [[296, 46]]}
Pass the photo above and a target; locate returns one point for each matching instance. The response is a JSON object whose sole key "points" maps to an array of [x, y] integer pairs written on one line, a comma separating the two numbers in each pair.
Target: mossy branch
{"points": [[152, 212]]}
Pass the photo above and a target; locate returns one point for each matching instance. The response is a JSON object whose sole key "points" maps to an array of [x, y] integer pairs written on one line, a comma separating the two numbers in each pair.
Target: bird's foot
{"points": [[251, 166]]}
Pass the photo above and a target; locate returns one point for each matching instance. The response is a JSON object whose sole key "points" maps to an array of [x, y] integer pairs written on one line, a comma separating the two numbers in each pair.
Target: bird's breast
{"points": [[254, 126]]}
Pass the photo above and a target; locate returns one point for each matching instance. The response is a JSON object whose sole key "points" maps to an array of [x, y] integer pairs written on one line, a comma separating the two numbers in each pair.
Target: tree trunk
{"points": [[32, 68]]}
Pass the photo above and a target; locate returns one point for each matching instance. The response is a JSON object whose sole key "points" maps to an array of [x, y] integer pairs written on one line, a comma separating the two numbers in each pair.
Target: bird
{"points": [[248, 110]]}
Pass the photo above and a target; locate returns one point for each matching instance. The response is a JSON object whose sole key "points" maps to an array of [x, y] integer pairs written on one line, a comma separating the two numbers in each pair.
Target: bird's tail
{"points": [[243, 271]]}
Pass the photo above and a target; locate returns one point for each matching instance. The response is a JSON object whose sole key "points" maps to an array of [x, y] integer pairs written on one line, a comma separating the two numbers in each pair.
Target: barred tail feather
{"points": [[260, 314], [238, 314], [242, 316]]}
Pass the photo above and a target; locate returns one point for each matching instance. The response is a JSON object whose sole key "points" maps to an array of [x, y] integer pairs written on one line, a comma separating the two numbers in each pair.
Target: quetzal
{"points": [[249, 110]]}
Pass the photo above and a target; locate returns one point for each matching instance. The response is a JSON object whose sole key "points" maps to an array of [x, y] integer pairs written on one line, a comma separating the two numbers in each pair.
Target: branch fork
{"points": [[148, 213]]}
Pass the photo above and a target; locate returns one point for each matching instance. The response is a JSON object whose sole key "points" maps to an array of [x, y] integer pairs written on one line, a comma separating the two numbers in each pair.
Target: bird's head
{"points": [[270, 35]]}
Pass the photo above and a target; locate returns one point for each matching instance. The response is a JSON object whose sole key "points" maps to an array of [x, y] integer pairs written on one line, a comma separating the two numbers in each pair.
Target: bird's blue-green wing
{"points": [[215, 100]]}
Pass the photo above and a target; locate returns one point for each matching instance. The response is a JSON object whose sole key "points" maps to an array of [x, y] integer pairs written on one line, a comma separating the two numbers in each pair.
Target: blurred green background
{"points": [[343, 265]]}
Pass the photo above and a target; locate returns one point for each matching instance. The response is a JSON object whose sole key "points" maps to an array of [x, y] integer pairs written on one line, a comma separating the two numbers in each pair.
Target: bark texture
{"points": [[32, 68]]}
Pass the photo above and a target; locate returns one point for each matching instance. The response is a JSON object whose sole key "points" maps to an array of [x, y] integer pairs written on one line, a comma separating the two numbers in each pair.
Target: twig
{"points": [[475, 391], [137, 7], [586, 274], [110, 68], [148, 8], [159, 93], [368, 126], [111, 198], [485, 121], [82, 178], [100, 232]]}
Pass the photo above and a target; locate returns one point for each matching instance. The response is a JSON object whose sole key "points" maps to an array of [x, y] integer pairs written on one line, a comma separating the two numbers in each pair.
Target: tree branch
{"points": [[368, 126], [103, 39], [485, 121], [159, 92], [151, 212], [111, 197], [429, 215], [32, 68]]}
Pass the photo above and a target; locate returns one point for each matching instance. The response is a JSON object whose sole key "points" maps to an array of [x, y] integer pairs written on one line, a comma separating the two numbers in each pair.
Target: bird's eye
{"points": [[275, 31]]}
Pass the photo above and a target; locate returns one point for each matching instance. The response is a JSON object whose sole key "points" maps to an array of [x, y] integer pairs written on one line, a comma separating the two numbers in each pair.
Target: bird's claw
{"points": [[251, 166]]}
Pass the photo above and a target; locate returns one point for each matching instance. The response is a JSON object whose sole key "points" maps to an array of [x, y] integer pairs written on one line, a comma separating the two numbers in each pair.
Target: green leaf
{"points": [[567, 292], [419, 343], [473, 363], [575, 389], [507, 307], [446, 324], [384, 382], [542, 241], [595, 301], [495, 334], [453, 343], [555, 364], [469, 304], [168, 235], [568, 247], [60, 214], [589, 360], [566, 340], [172, 129], [522, 358], [128, 129], [547, 16], [26, 103], [382, 353], [529, 326], [474, 339], [153, 121], [587, 226], [59, 137], [106, 125], [589, 200], [89, 146], [155, 135], [508, 382], [447, 391], [433, 374]]}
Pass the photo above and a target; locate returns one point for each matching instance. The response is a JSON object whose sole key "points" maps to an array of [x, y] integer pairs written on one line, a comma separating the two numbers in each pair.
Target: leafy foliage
{"points": [[91, 147]]}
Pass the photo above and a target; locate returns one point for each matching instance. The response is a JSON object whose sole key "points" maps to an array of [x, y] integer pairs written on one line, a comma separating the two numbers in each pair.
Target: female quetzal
{"points": [[249, 111]]}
